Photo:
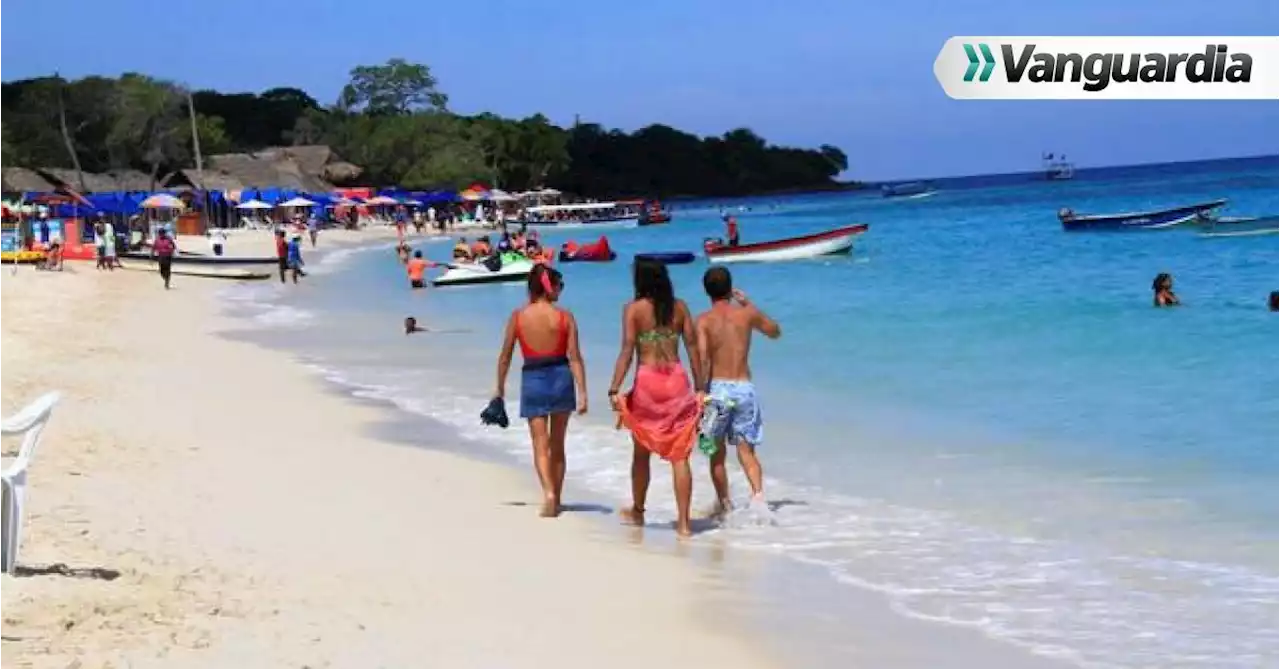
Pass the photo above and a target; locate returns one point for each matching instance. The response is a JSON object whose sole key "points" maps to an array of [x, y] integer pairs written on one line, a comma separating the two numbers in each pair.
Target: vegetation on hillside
{"points": [[393, 120]]}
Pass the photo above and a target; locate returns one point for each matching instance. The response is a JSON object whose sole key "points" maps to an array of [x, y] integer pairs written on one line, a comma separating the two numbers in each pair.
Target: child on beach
{"points": [[724, 346], [553, 382]]}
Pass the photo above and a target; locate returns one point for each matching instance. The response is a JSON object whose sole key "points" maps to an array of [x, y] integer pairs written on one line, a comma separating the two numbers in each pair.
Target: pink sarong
{"points": [[661, 411]]}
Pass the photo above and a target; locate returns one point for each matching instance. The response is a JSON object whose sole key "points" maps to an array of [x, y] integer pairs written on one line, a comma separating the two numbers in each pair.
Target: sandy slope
{"points": [[255, 525]]}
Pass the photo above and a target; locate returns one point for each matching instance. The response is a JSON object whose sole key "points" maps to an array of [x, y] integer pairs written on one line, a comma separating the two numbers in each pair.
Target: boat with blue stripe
{"points": [[1158, 219]]}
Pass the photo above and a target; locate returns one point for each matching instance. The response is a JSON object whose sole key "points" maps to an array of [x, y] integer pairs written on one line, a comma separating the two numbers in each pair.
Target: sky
{"points": [[858, 75]]}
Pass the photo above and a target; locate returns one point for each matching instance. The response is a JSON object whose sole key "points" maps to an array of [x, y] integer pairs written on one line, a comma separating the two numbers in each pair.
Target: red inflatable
{"points": [[598, 251]]}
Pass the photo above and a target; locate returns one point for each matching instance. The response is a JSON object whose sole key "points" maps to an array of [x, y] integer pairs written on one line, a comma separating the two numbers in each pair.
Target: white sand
{"points": [[255, 525]]}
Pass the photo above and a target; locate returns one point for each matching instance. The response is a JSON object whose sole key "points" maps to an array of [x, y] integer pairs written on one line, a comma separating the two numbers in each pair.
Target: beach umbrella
{"points": [[497, 195], [297, 202], [163, 201], [411, 202], [253, 204], [381, 200], [548, 192]]}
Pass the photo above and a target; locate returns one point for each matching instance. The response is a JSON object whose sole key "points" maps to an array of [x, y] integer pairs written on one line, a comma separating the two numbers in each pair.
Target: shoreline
{"points": [[253, 521], [826, 631]]}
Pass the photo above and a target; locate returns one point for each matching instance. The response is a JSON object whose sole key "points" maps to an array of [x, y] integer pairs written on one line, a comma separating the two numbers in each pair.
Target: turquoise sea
{"points": [[977, 416]]}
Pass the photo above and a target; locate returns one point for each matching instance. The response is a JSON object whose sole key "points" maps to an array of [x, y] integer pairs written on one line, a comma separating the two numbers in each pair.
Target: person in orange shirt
{"points": [[416, 267]]}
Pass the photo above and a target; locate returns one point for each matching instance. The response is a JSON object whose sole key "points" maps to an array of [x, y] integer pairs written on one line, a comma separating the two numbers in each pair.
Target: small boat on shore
{"points": [[486, 271], [668, 257], [189, 258], [597, 251], [1239, 226], [912, 190], [832, 242], [230, 273], [1157, 219]]}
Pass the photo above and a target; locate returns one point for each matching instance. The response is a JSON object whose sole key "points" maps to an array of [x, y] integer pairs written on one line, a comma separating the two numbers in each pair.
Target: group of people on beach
{"points": [[666, 413]]}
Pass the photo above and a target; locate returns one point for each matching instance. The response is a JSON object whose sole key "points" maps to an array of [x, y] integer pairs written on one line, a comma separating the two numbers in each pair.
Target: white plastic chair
{"points": [[30, 423]]}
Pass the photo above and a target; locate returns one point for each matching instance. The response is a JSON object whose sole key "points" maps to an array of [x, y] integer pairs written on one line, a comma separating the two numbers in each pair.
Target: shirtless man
{"points": [[724, 344]]}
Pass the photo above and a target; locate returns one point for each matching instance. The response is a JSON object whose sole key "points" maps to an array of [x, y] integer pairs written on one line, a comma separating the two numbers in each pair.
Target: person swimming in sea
{"points": [[1273, 302], [411, 325], [1162, 287]]}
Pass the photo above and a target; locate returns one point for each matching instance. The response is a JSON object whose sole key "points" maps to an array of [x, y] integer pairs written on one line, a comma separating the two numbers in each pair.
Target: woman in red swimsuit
{"points": [[553, 382]]}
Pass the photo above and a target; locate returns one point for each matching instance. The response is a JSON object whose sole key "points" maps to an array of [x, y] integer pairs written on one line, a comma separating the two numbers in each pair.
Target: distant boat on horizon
{"points": [[909, 190], [1056, 168]]}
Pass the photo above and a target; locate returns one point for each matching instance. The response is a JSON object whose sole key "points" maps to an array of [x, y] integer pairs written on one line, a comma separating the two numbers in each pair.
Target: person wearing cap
{"points": [[294, 255]]}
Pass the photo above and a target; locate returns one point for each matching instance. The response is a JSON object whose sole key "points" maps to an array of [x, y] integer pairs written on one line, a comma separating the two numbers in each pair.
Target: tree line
{"points": [[394, 121]]}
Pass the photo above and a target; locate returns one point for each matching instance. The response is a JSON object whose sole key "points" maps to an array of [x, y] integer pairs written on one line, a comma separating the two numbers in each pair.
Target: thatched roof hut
{"points": [[21, 179], [114, 180], [306, 168]]}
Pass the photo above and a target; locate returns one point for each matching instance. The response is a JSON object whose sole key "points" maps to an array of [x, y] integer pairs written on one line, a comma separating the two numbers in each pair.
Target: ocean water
{"points": [[977, 415]]}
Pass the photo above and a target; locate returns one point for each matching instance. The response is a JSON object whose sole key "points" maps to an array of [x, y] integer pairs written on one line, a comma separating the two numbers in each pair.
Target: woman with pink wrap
{"points": [[661, 410]]}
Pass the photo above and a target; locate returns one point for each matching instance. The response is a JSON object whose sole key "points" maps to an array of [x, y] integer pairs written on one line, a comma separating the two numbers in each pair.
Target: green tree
{"points": [[397, 87], [8, 152], [213, 135], [151, 124]]}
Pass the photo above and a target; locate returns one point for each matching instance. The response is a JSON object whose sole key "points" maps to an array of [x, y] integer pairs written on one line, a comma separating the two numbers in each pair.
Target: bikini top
{"points": [[562, 340], [655, 336]]}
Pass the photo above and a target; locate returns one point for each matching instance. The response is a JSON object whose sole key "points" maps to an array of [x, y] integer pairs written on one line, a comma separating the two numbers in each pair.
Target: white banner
{"points": [[1110, 68]]}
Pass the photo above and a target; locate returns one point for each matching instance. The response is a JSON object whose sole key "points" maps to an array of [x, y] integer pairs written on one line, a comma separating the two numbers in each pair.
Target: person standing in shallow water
{"points": [[661, 410], [1162, 287], [553, 381], [724, 345]]}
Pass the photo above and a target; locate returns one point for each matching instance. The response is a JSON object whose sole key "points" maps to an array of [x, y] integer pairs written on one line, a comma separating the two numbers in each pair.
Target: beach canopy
{"points": [[411, 202], [253, 204], [297, 202], [381, 200], [163, 201]]}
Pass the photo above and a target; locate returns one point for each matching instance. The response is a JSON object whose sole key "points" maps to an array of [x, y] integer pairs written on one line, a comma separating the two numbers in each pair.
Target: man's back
{"points": [[727, 330]]}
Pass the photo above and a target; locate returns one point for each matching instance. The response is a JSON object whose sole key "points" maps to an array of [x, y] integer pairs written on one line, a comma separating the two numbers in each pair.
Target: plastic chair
{"points": [[30, 423]]}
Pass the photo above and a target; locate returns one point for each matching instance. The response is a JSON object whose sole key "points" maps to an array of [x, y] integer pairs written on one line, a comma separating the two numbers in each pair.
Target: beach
{"points": [[255, 522]]}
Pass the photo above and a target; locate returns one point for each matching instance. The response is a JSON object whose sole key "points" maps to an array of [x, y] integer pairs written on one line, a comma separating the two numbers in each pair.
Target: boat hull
{"points": [[184, 258], [1253, 226], [831, 242], [669, 258], [204, 272], [1147, 220], [471, 274], [615, 220]]}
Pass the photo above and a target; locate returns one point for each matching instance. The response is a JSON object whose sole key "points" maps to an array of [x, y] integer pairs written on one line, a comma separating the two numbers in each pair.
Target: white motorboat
{"points": [[832, 242], [471, 273]]}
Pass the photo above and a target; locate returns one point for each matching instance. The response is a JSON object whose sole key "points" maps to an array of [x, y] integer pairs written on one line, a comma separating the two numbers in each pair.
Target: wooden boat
{"points": [[232, 273], [473, 273], [1232, 226], [597, 251], [832, 242], [669, 257], [1158, 219], [189, 258], [913, 190]]}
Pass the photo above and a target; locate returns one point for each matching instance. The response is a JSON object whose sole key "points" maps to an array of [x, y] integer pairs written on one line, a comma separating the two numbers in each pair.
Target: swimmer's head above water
{"points": [[411, 325]]}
